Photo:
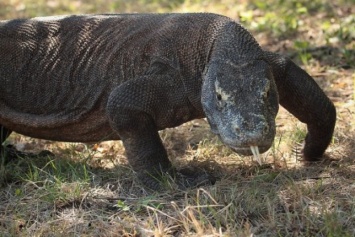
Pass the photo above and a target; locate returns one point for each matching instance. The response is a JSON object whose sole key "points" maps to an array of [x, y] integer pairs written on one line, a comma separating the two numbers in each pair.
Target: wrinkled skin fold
{"points": [[90, 78]]}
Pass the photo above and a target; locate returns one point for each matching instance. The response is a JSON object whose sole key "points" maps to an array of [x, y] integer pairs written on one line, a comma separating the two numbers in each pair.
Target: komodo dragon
{"points": [[90, 78]]}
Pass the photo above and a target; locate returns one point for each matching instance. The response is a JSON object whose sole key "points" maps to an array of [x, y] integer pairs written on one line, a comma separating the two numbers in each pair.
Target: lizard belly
{"points": [[72, 127]]}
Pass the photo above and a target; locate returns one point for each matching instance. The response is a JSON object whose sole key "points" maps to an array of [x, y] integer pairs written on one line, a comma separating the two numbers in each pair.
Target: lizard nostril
{"points": [[245, 124], [237, 129]]}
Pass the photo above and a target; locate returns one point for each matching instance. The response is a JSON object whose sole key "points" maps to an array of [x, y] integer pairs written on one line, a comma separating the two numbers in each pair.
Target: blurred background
{"points": [[299, 28]]}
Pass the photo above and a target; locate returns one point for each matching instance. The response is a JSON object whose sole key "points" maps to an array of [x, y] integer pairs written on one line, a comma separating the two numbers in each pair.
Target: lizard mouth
{"points": [[252, 150]]}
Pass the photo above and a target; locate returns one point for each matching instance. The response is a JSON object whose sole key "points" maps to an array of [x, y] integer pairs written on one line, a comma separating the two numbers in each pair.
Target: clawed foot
{"points": [[303, 154], [182, 179]]}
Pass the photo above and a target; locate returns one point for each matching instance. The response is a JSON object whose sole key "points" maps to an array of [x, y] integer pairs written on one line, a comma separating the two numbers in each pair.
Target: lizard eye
{"points": [[220, 102]]}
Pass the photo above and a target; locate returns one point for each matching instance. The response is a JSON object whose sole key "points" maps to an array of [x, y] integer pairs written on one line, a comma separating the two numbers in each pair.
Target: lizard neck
{"points": [[236, 45]]}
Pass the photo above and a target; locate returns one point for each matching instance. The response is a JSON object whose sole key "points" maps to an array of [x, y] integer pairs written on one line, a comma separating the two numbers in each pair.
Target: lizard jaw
{"points": [[254, 151]]}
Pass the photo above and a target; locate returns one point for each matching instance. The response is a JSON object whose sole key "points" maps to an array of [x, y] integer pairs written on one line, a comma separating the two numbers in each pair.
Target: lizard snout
{"points": [[247, 126]]}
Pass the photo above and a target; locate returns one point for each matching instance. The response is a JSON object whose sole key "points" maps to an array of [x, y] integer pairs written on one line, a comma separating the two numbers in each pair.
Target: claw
{"points": [[297, 150]]}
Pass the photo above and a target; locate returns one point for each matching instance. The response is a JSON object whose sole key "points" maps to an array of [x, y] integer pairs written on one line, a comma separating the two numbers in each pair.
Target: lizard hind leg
{"points": [[4, 134], [9, 152]]}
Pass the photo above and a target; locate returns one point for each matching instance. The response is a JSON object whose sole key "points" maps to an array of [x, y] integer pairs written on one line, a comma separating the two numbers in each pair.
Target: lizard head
{"points": [[240, 102]]}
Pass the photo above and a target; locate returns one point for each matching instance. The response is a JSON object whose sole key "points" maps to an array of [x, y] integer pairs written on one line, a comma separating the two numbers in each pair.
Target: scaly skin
{"points": [[92, 78], [302, 97]]}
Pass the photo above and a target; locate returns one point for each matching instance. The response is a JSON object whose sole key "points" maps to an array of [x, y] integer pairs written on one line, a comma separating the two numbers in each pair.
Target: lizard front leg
{"points": [[146, 153], [302, 97], [137, 109], [129, 110]]}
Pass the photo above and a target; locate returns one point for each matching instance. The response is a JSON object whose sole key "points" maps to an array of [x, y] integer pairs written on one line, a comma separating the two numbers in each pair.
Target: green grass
{"points": [[90, 190]]}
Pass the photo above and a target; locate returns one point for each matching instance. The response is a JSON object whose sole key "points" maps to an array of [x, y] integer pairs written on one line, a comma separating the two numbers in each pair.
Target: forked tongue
{"points": [[256, 154]]}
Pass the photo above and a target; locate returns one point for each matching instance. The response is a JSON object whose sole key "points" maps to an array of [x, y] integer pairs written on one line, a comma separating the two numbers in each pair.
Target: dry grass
{"points": [[90, 190]]}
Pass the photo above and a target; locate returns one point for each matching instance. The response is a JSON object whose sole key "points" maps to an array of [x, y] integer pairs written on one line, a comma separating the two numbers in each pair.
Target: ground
{"points": [[90, 190]]}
